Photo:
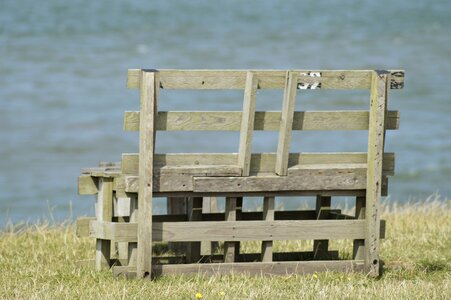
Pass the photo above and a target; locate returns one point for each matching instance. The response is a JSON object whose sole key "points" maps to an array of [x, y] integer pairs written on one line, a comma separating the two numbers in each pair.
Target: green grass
{"points": [[38, 262]]}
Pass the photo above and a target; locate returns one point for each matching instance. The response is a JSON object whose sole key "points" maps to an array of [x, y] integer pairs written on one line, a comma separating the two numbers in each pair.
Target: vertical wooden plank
{"points": [[321, 247], [133, 247], [177, 206], [104, 214], [286, 123], [194, 214], [209, 205], [376, 132], [148, 88], [268, 215], [358, 247], [247, 123], [230, 215]]}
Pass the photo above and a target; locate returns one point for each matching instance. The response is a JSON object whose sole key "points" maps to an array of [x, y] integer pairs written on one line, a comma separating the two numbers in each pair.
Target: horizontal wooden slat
{"points": [[248, 268], [82, 226], [269, 120], [304, 180], [260, 162], [233, 230], [268, 79]]}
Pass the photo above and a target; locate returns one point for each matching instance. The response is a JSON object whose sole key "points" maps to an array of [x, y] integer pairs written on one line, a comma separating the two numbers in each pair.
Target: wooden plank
{"points": [[263, 120], [268, 79], [104, 213], [230, 216], [194, 214], [325, 179], [82, 226], [321, 247], [359, 245], [87, 185], [260, 162], [376, 133], [286, 124], [133, 247], [149, 85], [247, 123], [249, 268], [234, 230], [268, 215]]}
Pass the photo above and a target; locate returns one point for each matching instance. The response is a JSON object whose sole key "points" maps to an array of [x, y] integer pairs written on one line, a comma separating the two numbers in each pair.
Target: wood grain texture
{"points": [[376, 133], [194, 214], [263, 120], [234, 231], [247, 123], [326, 179], [260, 162], [148, 86], [359, 245], [268, 215], [230, 215], [286, 123], [104, 213], [268, 79], [321, 247]]}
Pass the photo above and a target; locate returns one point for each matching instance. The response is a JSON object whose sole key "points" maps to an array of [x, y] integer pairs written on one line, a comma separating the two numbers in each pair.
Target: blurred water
{"points": [[63, 69]]}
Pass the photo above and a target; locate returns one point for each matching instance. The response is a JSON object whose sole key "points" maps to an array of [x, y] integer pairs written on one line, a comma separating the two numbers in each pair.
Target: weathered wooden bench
{"points": [[124, 202]]}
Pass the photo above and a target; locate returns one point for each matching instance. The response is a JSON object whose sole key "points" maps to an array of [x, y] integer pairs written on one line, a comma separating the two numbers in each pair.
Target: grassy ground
{"points": [[39, 262]]}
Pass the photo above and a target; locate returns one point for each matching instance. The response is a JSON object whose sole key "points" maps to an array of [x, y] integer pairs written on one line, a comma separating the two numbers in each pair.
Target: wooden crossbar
{"points": [[268, 79]]}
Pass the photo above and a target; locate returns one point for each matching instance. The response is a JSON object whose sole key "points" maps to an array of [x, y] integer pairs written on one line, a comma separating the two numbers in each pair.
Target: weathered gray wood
{"points": [[234, 230], [322, 179], [133, 247], [286, 123], [268, 79], [321, 247], [149, 85], [104, 213], [264, 120], [249, 268], [260, 162], [230, 215], [379, 87], [247, 123], [359, 245], [268, 215], [121, 206], [194, 214]]}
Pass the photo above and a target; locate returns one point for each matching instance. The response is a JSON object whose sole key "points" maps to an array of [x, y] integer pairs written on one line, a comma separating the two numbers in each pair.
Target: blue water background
{"points": [[63, 67]]}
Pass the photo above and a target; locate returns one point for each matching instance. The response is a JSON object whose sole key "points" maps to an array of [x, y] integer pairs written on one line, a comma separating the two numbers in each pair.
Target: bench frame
{"points": [[193, 176]]}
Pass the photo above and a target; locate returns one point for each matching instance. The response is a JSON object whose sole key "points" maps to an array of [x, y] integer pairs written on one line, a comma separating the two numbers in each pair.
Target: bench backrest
{"points": [[248, 120]]}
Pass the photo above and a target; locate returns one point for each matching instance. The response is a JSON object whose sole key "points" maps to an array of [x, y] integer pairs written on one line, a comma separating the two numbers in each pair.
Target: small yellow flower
{"points": [[198, 296], [315, 276], [222, 293]]}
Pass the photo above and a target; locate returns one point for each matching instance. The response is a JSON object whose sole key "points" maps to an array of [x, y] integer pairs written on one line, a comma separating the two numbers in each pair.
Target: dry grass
{"points": [[39, 262]]}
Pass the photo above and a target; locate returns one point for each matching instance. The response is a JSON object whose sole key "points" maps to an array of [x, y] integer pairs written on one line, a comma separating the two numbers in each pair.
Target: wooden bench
{"points": [[124, 202]]}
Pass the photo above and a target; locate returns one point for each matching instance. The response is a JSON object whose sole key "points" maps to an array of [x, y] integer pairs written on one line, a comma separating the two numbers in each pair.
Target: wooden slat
{"points": [[87, 185], [268, 79], [194, 214], [359, 245], [286, 124], [104, 213], [260, 162], [148, 87], [230, 216], [337, 179], [247, 123], [376, 133], [268, 215], [133, 247], [321, 247], [234, 230], [264, 120]]}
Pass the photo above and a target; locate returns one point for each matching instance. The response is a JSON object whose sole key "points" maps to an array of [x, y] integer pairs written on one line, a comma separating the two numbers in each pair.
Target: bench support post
{"points": [[379, 85]]}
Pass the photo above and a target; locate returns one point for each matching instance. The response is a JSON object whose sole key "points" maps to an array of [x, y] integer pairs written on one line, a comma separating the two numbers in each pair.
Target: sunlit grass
{"points": [[38, 262]]}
